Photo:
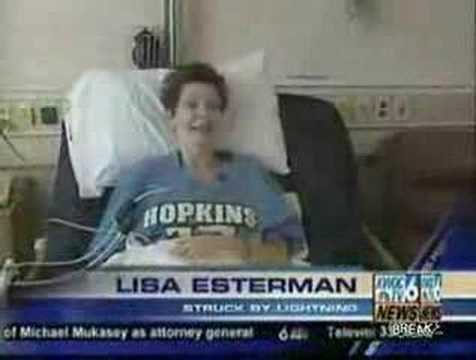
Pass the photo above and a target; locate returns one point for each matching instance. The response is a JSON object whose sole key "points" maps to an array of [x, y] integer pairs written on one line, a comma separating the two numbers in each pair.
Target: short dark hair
{"points": [[193, 72]]}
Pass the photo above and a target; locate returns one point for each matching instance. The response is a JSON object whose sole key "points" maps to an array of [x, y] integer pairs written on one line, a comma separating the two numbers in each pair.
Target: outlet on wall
{"points": [[383, 108], [401, 108]]}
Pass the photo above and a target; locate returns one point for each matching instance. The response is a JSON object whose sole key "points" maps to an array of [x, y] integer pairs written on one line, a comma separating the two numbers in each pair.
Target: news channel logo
{"points": [[407, 297]]}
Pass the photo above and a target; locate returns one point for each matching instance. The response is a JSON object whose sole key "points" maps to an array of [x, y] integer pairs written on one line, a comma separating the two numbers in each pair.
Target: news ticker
{"points": [[381, 305], [280, 332]]}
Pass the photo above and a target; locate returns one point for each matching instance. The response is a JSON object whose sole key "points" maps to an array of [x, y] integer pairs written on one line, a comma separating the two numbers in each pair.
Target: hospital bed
{"points": [[322, 174]]}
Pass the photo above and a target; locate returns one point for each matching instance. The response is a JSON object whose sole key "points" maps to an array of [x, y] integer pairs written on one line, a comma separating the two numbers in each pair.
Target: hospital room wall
{"points": [[362, 54], [48, 43], [358, 42], [44, 46], [358, 53]]}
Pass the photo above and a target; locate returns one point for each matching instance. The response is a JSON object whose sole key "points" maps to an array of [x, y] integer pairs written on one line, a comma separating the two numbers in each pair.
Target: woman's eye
{"points": [[191, 104], [213, 106]]}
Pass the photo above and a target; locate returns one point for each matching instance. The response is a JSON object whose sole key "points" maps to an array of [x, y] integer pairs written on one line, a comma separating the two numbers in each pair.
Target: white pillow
{"points": [[253, 113], [115, 120]]}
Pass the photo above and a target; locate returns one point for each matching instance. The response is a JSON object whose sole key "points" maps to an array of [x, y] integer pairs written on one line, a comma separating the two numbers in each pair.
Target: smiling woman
{"points": [[198, 205], [196, 100]]}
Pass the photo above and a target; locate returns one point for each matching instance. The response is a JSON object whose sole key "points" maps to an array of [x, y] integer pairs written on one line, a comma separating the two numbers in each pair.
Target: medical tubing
{"points": [[82, 258], [76, 261], [98, 253], [143, 237], [53, 280], [108, 251], [72, 225], [109, 248]]}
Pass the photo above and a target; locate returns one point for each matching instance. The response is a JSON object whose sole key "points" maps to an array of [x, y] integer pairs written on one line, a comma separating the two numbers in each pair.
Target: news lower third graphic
{"points": [[299, 308], [408, 305]]}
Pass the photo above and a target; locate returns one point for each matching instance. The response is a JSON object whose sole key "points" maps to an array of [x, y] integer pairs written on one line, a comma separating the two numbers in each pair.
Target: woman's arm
{"points": [[228, 250]]}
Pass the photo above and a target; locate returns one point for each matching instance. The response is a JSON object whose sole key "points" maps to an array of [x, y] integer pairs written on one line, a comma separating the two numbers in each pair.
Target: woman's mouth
{"points": [[203, 129]]}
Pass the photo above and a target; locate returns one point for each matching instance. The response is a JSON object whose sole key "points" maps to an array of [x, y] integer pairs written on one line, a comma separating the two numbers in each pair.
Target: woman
{"points": [[212, 207]]}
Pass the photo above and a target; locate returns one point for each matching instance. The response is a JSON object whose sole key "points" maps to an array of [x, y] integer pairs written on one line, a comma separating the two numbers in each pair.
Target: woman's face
{"points": [[198, 113]]}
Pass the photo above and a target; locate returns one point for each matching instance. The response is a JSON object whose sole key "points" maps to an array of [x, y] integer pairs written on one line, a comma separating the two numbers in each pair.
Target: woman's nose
{"points": [[203, 110]]}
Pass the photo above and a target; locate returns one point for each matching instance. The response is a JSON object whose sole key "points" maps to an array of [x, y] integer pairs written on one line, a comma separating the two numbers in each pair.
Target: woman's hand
{"points": [[269, 252], [228, 250], [211, 249]]}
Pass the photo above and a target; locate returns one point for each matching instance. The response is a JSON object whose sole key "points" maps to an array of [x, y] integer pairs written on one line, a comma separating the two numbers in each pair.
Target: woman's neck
{"points": [[202, 163]]}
